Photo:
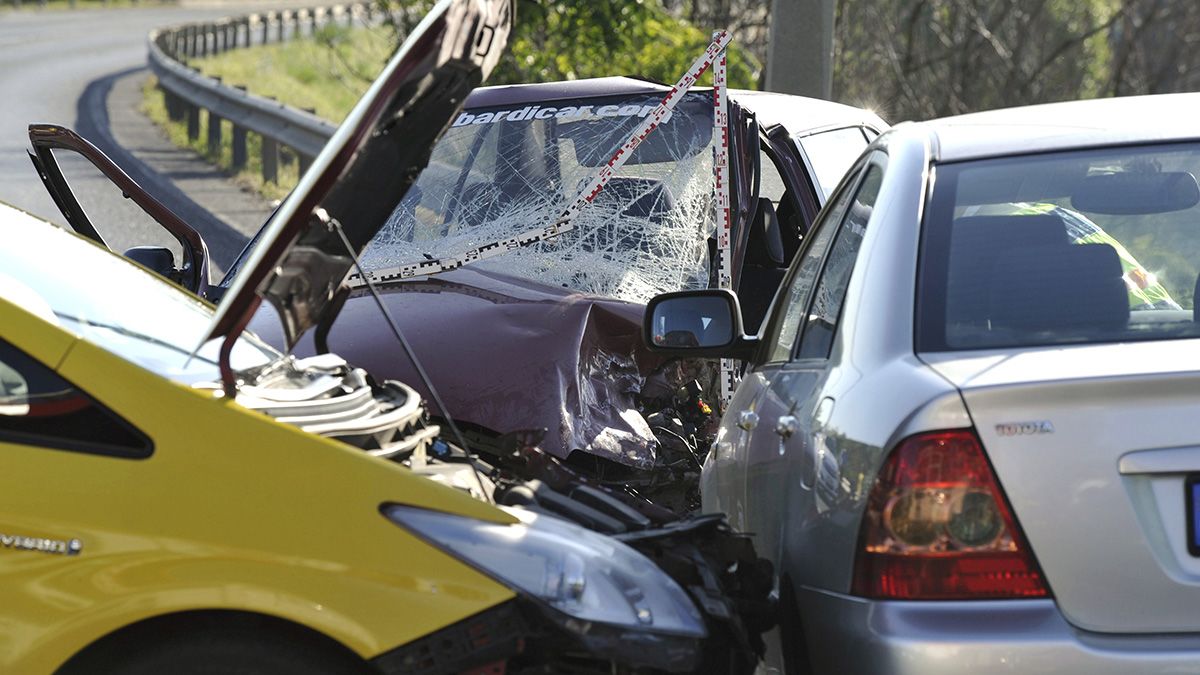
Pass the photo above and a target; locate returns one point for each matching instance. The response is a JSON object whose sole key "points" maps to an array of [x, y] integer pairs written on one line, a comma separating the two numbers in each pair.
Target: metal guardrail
{"points": [[188, 91]]}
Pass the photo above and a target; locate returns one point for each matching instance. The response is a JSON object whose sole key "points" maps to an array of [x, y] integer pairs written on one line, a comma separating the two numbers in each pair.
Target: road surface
{"points": [[83, 69]]}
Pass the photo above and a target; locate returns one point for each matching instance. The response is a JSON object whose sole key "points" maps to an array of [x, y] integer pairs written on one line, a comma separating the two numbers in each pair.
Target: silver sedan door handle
{"points": [[785, 426], [747, 420]]}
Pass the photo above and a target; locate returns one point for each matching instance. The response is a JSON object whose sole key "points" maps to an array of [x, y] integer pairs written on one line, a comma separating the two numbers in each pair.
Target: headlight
{"points": [[582, 574]]}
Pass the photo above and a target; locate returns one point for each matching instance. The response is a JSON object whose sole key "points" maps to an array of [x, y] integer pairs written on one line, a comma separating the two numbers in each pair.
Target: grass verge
{"points": [[154, 107], [326, 73]]}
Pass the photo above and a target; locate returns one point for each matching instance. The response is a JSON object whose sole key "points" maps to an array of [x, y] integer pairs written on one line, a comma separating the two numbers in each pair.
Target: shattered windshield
{"points": [[501, 171]]}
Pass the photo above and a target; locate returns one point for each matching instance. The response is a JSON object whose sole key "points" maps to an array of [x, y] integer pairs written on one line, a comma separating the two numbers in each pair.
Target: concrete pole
{"points": [[800, 51]]}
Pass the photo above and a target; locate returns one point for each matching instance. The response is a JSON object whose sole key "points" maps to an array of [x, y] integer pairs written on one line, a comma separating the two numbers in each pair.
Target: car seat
{"points": [[763, 266], [1072, 289], [976, 243], [636, 198], [626, 204]]}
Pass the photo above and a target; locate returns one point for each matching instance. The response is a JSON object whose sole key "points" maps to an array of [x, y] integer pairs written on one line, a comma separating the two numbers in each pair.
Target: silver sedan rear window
{"points": [[1081, 247]]}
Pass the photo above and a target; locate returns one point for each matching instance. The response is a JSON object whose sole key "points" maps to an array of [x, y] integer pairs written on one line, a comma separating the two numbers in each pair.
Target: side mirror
{"points": [[697, 323], [158, 259]]}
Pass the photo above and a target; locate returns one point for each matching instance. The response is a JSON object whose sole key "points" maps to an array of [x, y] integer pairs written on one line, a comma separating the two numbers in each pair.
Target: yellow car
{"points": [[159, 516]]}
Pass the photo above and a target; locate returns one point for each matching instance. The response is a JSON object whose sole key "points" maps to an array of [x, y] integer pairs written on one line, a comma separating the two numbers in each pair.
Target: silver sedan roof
{"points": [[1062, 126]]}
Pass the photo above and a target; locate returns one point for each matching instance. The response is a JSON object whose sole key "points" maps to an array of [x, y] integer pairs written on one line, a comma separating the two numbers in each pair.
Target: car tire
{"points": [[239, 648]]}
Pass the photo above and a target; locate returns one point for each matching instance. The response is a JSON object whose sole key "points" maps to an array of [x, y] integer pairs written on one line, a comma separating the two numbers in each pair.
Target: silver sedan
{"points": [[968, 433]]}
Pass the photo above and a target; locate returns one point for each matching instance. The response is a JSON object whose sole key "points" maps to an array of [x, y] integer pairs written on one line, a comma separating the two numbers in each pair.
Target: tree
{"points": [[1152, 48], [915, 59], [571, 39]]}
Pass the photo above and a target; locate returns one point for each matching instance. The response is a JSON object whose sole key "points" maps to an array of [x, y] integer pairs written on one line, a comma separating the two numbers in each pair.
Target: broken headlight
{"points": [[585, 576]]}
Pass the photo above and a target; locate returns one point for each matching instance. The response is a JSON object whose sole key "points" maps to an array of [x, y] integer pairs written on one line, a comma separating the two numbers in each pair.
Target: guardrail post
{"points": [[238, 141], [270, 160], [214, 133], [193, 122], [175, 109], [266, 27], [282, 20], [312, 20]]}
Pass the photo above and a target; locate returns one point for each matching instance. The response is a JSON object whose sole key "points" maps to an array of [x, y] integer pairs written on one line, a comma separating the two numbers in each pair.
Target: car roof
{"points": [[798, 114], [1063, 126]]}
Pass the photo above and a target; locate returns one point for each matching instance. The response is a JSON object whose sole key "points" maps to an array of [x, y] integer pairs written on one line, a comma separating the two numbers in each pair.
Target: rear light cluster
{"points": [[937, 527]]}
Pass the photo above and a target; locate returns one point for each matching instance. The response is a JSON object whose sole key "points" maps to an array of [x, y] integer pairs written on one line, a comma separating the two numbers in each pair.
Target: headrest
{"points": [[1059, 289], [636, 197], [993, 233], [765, 247], [975, 244]]}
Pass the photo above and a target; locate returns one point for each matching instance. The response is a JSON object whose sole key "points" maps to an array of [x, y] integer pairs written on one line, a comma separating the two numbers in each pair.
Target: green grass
{"points": [[154, 106], [326, 74]]}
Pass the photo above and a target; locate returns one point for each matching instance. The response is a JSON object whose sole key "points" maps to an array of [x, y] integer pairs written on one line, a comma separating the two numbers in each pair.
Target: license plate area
{"points": [[1191, 491]]}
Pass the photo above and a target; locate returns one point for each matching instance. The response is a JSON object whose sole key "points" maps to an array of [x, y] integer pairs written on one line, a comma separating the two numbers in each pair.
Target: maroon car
{"points": [[547, 336]]}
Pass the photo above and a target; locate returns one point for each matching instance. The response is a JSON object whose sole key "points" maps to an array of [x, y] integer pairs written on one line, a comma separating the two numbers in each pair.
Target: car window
{"points": [[831, 153], [1059, 248], [37, 407], [785, 324], [771, 184], [121, 222], [498, 172], [817, 339]]}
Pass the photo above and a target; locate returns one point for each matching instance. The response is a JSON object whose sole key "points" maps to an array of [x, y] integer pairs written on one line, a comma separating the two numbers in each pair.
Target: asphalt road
{"points": [[82, 69]]}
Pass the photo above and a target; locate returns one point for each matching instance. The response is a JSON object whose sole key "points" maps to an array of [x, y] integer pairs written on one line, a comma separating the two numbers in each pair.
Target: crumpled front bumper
{"points": [[519, 636]]}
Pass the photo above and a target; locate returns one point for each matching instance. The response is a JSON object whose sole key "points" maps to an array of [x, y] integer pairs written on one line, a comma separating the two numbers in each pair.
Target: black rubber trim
{"points": [[1189, 496], [494, 635]]}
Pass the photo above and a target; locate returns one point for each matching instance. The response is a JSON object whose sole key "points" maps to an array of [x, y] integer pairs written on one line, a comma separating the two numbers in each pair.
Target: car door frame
{"points": [[791, 511], [725, 471], [45, 138]]}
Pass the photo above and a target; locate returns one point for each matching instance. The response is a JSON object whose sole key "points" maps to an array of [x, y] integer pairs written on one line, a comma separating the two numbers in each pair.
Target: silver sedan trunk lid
{"points": [[1093, 445]]}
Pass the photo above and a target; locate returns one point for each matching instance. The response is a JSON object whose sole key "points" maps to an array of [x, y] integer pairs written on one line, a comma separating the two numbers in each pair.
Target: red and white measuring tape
{"points": [[722, 202]]}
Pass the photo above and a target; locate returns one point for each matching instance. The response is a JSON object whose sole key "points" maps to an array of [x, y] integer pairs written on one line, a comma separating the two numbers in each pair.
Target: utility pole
{"points": [[800, 52]]}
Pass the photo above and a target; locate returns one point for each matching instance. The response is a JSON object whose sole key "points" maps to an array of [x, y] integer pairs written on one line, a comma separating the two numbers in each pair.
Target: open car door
{"points": [[49, 140]]}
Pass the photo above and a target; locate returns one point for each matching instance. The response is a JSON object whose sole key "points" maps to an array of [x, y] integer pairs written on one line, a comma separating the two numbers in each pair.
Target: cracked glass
{"points": [[498, 172]]}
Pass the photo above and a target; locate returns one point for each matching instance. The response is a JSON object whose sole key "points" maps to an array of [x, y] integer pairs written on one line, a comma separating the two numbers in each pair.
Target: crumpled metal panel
{"points": [[508, 354]]}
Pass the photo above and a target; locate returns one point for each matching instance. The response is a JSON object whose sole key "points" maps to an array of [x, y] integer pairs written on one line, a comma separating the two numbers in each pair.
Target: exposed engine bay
{"points": [[717, 566]]}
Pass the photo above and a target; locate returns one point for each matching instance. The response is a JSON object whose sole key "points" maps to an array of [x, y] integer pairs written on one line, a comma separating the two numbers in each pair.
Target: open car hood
{"points": [[301, 261]]}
